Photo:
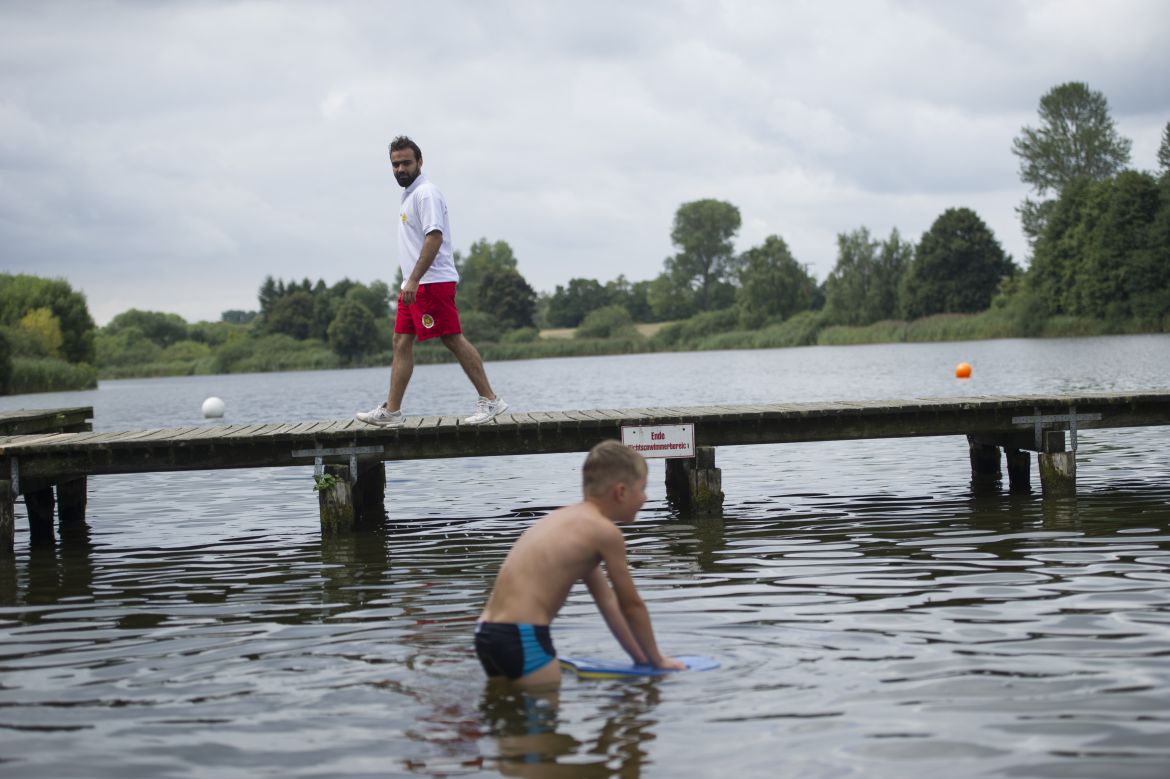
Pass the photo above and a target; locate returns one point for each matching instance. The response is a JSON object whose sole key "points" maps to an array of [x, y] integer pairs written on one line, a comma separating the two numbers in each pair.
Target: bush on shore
{"points": [[49, 374]]}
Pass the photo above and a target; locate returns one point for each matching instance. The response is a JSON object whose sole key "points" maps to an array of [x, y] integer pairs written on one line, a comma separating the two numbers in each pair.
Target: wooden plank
{"points": [[429, 424], [113, 437], [41, 440], [44, 420], [81, 438], [169, 434], [267, 430]]}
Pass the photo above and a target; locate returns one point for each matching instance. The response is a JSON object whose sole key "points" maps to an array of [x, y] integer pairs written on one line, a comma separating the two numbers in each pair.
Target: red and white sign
{"points": [[661, 440]]}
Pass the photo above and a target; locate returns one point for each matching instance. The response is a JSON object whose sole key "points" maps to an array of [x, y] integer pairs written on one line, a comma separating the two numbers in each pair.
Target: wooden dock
{"points": [[43, 450]]}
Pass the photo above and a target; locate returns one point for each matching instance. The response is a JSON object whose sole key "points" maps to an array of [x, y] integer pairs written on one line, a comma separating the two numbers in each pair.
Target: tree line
{"points": [[1098, 234]]}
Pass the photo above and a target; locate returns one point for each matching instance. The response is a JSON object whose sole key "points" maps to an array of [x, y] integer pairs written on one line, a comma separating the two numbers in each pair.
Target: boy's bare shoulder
{"points": [[583, 513], [578, 523]]}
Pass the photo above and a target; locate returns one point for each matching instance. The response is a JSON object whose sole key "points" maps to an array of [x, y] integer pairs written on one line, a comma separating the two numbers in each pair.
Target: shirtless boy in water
{"points": [[512, 636]]}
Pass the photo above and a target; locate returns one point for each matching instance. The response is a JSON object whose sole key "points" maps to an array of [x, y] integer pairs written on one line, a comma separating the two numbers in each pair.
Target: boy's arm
{"points": [[608, 606], [637, 616]]}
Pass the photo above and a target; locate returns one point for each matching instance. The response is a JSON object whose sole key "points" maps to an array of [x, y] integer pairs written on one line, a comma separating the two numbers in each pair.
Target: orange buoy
{"points": [[963, 370]]}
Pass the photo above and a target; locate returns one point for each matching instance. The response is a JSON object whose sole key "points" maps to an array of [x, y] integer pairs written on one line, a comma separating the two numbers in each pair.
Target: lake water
{"points": [[874, 614]]}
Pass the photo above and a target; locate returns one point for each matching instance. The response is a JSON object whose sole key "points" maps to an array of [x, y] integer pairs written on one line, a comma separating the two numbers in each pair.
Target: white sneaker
{"points": [[487, 409], [380, 417]]}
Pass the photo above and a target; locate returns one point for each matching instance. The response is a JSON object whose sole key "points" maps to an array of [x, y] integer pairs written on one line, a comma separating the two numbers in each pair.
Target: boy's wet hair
{"points": [[608, 463]]}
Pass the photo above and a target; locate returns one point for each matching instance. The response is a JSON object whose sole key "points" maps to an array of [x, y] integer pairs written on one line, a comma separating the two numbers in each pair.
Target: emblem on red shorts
{"points": [[428, 321]]}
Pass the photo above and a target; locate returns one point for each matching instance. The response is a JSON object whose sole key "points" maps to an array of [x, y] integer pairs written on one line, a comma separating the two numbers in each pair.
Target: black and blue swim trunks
{"points": [[513, 650]]}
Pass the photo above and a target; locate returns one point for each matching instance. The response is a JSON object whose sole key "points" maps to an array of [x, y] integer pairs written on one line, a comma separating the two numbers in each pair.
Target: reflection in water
{"points": [[531, 740]]}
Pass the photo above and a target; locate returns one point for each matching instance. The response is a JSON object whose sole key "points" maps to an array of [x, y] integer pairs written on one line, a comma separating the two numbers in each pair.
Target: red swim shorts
{"points": [[432, 314]]}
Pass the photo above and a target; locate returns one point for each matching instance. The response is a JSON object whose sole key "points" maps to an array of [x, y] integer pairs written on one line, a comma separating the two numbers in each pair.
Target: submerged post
{"points": [[984, 459], [39, 504], [335, 500], [1019, 464], [7, 519], [71, 500], [695, 486], [350, 495], [1058, 468]]}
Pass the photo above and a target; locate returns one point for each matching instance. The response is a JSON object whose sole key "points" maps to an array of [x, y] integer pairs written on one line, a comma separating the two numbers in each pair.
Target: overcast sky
{"points": [[170, 155]]}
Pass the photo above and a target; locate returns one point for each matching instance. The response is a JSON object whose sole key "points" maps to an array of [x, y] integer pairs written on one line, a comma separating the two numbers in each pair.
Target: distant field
{"points": [[647, 329]]}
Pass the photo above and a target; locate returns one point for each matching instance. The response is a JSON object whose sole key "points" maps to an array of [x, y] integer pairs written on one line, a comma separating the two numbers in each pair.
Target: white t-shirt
{"points": [[424, 211]]}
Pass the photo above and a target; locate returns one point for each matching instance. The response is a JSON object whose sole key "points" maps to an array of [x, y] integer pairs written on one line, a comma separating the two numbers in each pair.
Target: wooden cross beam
{"points": [[319, 454], [1042, 421]]}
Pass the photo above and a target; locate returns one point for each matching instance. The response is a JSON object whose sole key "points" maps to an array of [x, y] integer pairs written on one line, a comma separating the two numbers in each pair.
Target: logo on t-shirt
{"points": [[403, 217], [428, 321]]}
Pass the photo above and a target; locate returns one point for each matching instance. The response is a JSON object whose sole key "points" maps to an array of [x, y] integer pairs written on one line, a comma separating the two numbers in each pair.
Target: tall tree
{"points": [[20, 294], [568, 305], [669, 300], [481, 257], [292, 315], [957, 267], [630, 296], [772, 283], [504, 293], [703, 232], [162, 328], [1164, 151], [353, 333], [1076, 138], [848, 283]]}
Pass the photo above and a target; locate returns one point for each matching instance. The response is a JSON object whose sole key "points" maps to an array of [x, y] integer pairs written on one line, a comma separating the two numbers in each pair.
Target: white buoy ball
{"points": [[213, 408]]}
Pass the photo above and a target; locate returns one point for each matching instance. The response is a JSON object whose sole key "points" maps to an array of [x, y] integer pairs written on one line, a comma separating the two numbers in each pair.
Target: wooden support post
{"points": [[71, 500], [369, 492], [39, 504], [695, 486], [1058, 473], [1019, 463], [7, 519], [335, 498], [984, 459], [1058, 468]]}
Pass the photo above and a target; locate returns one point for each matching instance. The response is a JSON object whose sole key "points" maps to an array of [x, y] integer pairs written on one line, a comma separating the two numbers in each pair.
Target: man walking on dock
{"points": [[426, 304]]}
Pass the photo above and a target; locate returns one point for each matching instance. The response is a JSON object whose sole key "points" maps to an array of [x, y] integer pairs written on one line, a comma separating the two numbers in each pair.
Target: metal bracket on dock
{"points": [[1049, 420], [320, 454]]}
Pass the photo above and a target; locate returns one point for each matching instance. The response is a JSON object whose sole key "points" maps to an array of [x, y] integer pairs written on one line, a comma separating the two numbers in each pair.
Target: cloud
{"points": [[170, 156]]}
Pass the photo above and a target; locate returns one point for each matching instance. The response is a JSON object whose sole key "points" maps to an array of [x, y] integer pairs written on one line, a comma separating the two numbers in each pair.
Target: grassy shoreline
{"points": [[806, 329], [707, 332]]}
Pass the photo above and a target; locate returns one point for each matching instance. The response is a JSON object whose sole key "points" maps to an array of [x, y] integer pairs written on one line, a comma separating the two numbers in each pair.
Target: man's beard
{"points": [[405, 180]]}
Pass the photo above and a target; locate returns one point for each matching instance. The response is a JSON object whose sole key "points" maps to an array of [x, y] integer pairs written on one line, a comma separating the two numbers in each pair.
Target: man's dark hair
{"points": [[404, 142]]}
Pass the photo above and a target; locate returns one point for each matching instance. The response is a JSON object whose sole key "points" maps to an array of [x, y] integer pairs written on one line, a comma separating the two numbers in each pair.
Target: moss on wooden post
{"points": [[345, 505], [1058, 468], [695, 487], [335, 499], [1058, 473]]}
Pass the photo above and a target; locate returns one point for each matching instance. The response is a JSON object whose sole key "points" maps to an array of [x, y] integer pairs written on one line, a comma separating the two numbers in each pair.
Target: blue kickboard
{"points": [[599, 668]]}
